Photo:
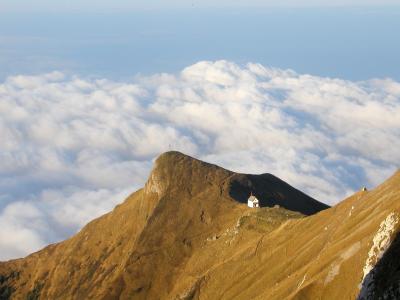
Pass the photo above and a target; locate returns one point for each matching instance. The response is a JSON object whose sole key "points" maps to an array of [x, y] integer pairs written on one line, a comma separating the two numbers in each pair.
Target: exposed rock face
{"points": [[383, 281], [187, 235], [381, 241], [373, 272]]}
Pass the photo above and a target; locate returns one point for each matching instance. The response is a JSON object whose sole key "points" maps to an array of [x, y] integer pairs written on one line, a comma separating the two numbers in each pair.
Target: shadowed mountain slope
{"points": [[384, 278], [180, 173], [186, 235]]}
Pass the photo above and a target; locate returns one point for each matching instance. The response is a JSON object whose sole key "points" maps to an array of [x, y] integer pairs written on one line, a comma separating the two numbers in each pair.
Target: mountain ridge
{"points": [[268, 188], [183, 236]]}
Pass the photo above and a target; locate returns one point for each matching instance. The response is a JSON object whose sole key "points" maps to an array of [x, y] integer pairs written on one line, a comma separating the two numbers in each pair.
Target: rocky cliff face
{"points": [[188, 235]]}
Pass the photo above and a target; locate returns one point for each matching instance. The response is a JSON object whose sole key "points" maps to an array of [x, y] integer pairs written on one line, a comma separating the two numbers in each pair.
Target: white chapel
{"points": [[253, 201]]}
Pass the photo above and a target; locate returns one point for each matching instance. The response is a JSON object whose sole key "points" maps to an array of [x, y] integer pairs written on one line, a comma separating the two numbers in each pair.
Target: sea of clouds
{"points": [[71, 148]]}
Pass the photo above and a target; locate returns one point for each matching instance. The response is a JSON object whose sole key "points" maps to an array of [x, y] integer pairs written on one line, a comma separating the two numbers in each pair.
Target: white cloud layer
{"points": [[71, 148]]}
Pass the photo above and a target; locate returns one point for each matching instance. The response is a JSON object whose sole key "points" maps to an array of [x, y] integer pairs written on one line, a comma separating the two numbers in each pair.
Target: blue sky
{"points": [[347, 42], [126, 5]]}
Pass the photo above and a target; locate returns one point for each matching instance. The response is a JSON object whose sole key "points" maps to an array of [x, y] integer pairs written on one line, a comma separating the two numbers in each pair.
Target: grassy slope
{"points": [[318, 257], [184, 236]]}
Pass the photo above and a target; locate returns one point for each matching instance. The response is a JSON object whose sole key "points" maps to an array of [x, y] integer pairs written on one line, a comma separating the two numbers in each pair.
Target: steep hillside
{"points": [[320, 257], [186, 235]]}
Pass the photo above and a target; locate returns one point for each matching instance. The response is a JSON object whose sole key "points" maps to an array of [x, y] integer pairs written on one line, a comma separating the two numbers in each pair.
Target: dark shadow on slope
{"points": [[6, 288], [182, 173], [270, 191], [383, 281]]}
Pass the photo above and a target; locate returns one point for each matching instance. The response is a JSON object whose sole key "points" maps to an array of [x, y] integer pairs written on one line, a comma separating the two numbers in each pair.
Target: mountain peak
{"points": [[187, 233], [173, 156], [177, 173]]}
